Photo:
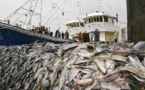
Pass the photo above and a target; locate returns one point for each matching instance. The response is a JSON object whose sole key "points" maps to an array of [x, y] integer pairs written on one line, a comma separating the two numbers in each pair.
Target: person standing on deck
{"points": [[51, 33], [91, 36], [59, 35], [66, 35], [8, 21], [62, 35], [115, 37], [56, 33], [96, 34]]}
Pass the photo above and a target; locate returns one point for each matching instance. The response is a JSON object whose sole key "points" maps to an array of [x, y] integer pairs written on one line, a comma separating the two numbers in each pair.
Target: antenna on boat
{"points": [[79, 6], [117, 18], [100, 7]]}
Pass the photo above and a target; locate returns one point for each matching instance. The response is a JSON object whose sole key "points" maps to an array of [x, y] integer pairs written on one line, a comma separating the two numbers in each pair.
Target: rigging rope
{"points": [[54, 13], [56, 16], [17, 19], [8, 17], [25, 19]]}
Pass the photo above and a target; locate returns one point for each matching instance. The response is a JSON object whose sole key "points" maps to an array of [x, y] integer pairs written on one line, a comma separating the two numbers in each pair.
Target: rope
{"points": [[54, 13], [56, 16], [8, 17]]}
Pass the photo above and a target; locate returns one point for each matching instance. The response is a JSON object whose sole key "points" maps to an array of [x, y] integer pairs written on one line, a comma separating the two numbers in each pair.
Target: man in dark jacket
{"points": [[56, 33], [51, 33], [66, 35], [96, 34], [62, 35]]}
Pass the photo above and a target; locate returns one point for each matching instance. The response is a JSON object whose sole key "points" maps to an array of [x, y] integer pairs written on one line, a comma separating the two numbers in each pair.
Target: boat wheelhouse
{"points": [[103, 22], [75, 26]]}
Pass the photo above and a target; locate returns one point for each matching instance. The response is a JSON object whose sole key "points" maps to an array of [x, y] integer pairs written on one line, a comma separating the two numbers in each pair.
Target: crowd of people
{"points": [[46, 31], [62, 35]]}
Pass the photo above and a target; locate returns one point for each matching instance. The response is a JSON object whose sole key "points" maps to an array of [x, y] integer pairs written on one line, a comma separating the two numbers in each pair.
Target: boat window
{"points": [[101, 19], [98, 19], [82, 24], [73, 25], [92, 20], [89, 20], [105, 19], [77, 24], [95, 19], [69, 26]]}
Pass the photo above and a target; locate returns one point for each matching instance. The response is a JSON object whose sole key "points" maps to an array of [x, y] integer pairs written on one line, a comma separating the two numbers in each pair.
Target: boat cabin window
{"points": [[68, 26], [95, 19], [89, 20], [98, 19], [105, 19], [101, 20], [92, 20], [75, 25], [81, 24]]}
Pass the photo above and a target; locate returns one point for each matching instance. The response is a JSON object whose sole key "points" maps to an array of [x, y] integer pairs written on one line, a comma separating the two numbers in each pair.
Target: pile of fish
{"points": [[75, 66]]}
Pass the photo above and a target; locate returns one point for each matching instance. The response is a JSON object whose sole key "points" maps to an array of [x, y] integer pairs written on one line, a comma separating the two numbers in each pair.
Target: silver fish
{"points": [[124, 85], [101, 65], [73, 73], [91, 86], [87, 81], [87, 55], [110, 86], [140, 46], [38, 72], [65, 71], [110, 65], [80, 46], [119, 58], [55, 71], [135, 60], [45, 83], [98, 75]]}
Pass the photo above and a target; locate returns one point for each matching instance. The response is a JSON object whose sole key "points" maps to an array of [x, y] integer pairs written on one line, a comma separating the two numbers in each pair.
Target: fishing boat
{"points": [[105, 23], [11, 34]]}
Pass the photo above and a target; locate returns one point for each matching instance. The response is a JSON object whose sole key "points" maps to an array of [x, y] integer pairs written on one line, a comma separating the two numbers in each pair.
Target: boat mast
{"points": [[40, 14]]}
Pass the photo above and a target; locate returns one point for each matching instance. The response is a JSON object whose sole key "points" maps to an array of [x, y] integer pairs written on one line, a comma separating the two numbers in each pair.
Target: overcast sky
{"points": [[72, 9]]}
